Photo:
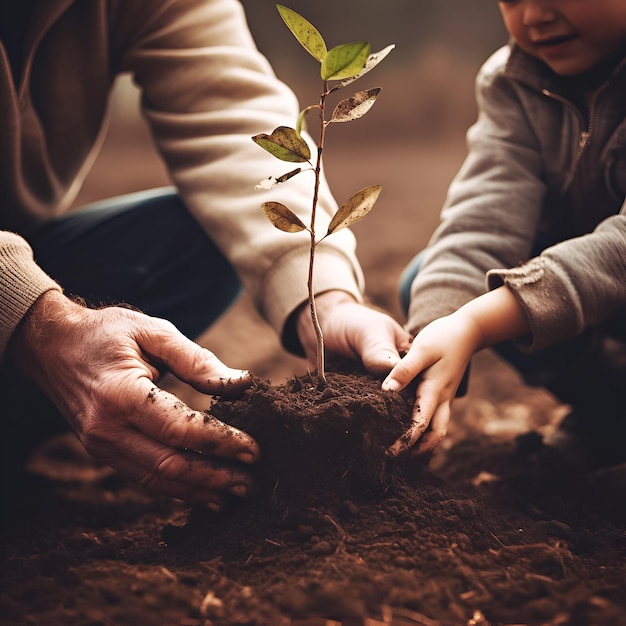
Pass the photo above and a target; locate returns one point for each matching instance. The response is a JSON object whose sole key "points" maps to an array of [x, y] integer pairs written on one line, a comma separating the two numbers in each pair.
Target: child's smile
{"points": [[570, 36]]}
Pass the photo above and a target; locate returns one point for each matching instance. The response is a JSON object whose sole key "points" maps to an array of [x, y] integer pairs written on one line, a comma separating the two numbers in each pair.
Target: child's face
{"points": [[570, 36]]}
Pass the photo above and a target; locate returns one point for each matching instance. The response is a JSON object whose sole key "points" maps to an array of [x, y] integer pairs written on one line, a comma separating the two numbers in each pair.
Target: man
{"points": [[175, 255]]}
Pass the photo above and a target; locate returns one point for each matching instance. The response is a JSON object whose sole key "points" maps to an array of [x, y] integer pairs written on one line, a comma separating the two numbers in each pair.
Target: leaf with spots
{"points": [[308, 36], [285, 144], [356, 106], [283, 218], [357, 207]]}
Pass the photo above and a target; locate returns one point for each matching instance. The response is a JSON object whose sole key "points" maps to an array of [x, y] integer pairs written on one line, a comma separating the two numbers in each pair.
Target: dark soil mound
{"points": [[330, 437]]}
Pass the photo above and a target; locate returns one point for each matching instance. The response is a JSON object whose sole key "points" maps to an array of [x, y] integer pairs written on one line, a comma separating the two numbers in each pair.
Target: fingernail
{"points": [[239, 490], [392, 451], [391, 384], [235, 375], [246, 457]]}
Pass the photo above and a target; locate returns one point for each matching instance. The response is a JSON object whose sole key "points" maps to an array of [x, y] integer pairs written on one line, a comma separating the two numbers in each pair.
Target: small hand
{"points": [[100, 368], [439, 354]]}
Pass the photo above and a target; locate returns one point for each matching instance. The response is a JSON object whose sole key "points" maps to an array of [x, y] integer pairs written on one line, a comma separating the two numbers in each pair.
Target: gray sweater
{"points": [[539, 170]]}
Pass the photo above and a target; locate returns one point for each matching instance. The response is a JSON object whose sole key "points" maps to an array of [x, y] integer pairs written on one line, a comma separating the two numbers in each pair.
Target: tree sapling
{"points": [[340, 66]]}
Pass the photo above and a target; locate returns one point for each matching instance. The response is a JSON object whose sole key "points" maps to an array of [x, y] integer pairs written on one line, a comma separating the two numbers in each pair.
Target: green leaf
{"points": [[345, 60], [301, 121], [283, 218], [372, 61], [285, 144], [355, 107], [304, 32], [357, 207]]}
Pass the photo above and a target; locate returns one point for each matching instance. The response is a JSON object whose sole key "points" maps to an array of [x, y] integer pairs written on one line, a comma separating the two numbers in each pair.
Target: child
{"points": [[532, 243]]}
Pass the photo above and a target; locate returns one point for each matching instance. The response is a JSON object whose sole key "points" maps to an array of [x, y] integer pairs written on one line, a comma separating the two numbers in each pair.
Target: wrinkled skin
{"points": [[100, 368]]}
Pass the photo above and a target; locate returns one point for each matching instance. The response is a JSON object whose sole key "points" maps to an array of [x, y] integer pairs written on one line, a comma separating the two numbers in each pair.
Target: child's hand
{"points": [[439, 354]]}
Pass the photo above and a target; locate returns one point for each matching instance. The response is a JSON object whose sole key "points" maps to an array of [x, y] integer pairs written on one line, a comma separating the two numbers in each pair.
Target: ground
{"points": [[494, 530]]}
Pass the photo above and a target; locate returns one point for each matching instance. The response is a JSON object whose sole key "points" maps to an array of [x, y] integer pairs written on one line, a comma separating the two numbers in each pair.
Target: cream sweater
{"points": [[205, 91]]}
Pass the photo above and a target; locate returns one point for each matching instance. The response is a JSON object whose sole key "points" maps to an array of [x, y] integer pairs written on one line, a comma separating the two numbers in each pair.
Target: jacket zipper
{"points": [[586, 133]]}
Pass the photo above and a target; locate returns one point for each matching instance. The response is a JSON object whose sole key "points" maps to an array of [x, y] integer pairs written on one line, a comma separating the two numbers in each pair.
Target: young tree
{"points": [[339, 67]]}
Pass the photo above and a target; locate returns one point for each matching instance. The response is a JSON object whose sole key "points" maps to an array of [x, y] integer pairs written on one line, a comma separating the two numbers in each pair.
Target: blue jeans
{"points": [[142, 249], [578, 371]]}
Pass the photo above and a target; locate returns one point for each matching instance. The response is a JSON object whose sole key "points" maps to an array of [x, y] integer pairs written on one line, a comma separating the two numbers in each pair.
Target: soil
{"points": [[493, 529], [504, 532]]}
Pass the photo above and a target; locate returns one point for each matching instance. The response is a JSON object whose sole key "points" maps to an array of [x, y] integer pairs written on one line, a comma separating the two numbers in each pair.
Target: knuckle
{"points": [[204, 360], [166, 469], [100, 445], [175, 433], [168, 465], [405, 370]]}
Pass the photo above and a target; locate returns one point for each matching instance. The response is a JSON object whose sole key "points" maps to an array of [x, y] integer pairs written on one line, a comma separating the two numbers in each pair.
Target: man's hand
{"points": [[100, 368], [354, 331]]}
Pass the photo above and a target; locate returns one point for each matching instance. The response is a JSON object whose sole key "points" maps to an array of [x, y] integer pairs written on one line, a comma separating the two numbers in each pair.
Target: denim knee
{"points": [[144, 249], [406, 280]]}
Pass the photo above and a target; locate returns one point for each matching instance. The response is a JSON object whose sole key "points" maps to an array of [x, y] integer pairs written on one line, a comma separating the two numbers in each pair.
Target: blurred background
{"points": [[411, 142], [428, 79]]}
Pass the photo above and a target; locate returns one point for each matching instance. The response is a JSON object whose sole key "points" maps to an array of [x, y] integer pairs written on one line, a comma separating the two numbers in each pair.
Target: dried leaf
{"points": [[355, 107], [283, 218], [357, 207], [285, 144], [288, 175]]}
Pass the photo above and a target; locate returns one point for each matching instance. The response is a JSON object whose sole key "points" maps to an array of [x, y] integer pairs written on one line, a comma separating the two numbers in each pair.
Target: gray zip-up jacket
{"points": [[537, 170]]}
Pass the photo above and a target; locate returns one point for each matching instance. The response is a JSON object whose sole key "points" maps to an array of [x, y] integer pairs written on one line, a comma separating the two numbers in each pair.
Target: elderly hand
{"points": [[354, 331], [100, 368]]}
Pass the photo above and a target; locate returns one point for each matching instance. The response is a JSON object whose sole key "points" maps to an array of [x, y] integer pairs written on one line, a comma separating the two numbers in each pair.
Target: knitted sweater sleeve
{"points": [[571, 286], [206, 90], [22, 282]]}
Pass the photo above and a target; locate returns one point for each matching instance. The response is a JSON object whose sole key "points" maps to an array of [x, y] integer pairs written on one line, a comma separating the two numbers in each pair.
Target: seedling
{"points": [[339, 67]]}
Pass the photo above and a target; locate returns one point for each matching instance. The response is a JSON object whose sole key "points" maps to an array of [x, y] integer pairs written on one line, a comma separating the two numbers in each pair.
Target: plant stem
{"points": [[318, 168]]}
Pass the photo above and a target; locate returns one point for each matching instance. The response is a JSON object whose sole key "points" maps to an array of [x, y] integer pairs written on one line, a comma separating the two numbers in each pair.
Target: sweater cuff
{"points": [[22, 282], [286, 287], [547, 296]]}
